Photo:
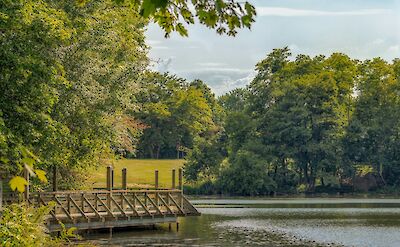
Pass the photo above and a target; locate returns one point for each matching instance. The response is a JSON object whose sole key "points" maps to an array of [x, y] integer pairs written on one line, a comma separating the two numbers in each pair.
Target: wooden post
{"points": [[69, 203], [156, 178], [180, 176], [55, 187], [173, 178], [26, 176], [112, 178], [156, 185], [109, 175], [82, 202], [124, 184], [109, 186]]}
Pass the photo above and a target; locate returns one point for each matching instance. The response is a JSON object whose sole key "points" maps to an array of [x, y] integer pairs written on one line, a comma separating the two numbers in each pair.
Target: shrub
{"points": [[246, 175], [21, 225]]}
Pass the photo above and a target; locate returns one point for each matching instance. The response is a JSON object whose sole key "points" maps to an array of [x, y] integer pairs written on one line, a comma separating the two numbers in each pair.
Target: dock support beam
{"points": [[124, 184]]}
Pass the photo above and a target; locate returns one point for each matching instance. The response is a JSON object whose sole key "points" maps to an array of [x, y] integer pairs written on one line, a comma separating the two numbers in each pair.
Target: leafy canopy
{"points": [[225, 16]]}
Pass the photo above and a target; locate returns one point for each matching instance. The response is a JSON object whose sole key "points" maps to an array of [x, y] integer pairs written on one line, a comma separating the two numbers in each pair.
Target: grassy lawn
{"points": [[140, 173]]}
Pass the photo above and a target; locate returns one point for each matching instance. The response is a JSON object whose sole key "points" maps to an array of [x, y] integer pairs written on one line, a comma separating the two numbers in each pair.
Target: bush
{"points": [[301, 188], [202, 188], [246, 175], [21, 225]]}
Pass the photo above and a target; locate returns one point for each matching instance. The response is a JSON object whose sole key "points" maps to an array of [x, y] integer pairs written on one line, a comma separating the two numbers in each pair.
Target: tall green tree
{"points": [[175, 112], [373, 134]]}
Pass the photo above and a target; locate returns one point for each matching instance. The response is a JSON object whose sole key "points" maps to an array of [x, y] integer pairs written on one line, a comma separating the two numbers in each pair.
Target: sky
{"points": [[362, 29]]}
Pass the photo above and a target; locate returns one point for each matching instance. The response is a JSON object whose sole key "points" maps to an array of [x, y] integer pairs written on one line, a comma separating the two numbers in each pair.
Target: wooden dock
{"points": [[113, 208]]}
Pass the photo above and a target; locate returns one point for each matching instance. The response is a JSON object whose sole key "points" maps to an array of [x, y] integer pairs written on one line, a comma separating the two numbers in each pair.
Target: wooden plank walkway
{"points": [[96, 209]]}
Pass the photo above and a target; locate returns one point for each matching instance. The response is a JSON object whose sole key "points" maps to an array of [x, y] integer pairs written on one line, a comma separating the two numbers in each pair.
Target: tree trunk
{"points": [[158, 152], [151, 151], [305, 172]]}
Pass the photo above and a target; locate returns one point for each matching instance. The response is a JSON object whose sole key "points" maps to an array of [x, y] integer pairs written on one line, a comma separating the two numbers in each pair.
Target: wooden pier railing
{"points": [[109, 208]]}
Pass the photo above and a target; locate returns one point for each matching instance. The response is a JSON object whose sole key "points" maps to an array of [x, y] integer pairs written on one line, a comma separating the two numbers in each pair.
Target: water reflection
{"points": [[301, 222]]}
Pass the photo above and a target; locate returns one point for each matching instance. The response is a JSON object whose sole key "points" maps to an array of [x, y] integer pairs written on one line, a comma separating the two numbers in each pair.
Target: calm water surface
{"points": [[276, 222]]}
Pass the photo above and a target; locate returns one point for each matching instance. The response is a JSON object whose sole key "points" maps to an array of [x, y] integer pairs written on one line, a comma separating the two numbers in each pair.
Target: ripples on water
{"points": [[302, 222]]}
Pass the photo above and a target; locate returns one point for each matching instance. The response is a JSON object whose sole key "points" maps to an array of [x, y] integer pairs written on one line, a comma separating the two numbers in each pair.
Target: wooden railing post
{"points": [[82, 202], [26, 176], [112, 178], [109, 178], [180, 177], [109, 185], [156, 185], [156, 178], [124, 183], [173, 178], [55, 187]]}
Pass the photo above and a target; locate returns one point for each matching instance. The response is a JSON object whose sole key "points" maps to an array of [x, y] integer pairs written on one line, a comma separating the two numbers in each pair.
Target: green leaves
{"points": [[174, 111], [149, 7], [224, 16], [181, 30]]}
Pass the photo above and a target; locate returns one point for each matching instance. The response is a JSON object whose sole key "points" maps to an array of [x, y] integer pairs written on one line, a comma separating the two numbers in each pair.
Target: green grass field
{"points": [[140, 173]]}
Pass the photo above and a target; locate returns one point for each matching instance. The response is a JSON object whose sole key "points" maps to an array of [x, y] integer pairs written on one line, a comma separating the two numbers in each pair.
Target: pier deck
{"points": [[112, 208]]}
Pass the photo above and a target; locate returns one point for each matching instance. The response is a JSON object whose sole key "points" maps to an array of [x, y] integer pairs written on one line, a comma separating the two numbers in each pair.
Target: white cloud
{"points": [[290, 12], [220, 80]]}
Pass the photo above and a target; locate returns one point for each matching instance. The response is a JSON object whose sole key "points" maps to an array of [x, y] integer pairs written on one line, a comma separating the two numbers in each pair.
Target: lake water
{"points": [[276, 222]]}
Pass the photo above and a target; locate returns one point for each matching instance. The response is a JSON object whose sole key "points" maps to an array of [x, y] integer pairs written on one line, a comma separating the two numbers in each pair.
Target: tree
{"points": [[247, 174], [373, 134], [31, 76], [174, 111], [65, 73], [303, 117], [172, 15]]}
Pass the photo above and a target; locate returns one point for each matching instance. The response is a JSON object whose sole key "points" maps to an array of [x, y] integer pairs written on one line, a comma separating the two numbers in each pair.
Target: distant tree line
{"points": [[308, 124]]}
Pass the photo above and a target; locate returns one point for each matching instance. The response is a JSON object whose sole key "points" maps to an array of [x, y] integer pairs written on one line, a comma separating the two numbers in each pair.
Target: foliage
{"points": [[63, 93], [172, 15], [246, 175], [21, 225], [306, 124], [373, 133], [202, 162], [174, 112]]}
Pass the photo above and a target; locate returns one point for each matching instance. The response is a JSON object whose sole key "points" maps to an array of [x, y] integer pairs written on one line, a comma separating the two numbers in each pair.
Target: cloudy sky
{"points": [[360, 28]]}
